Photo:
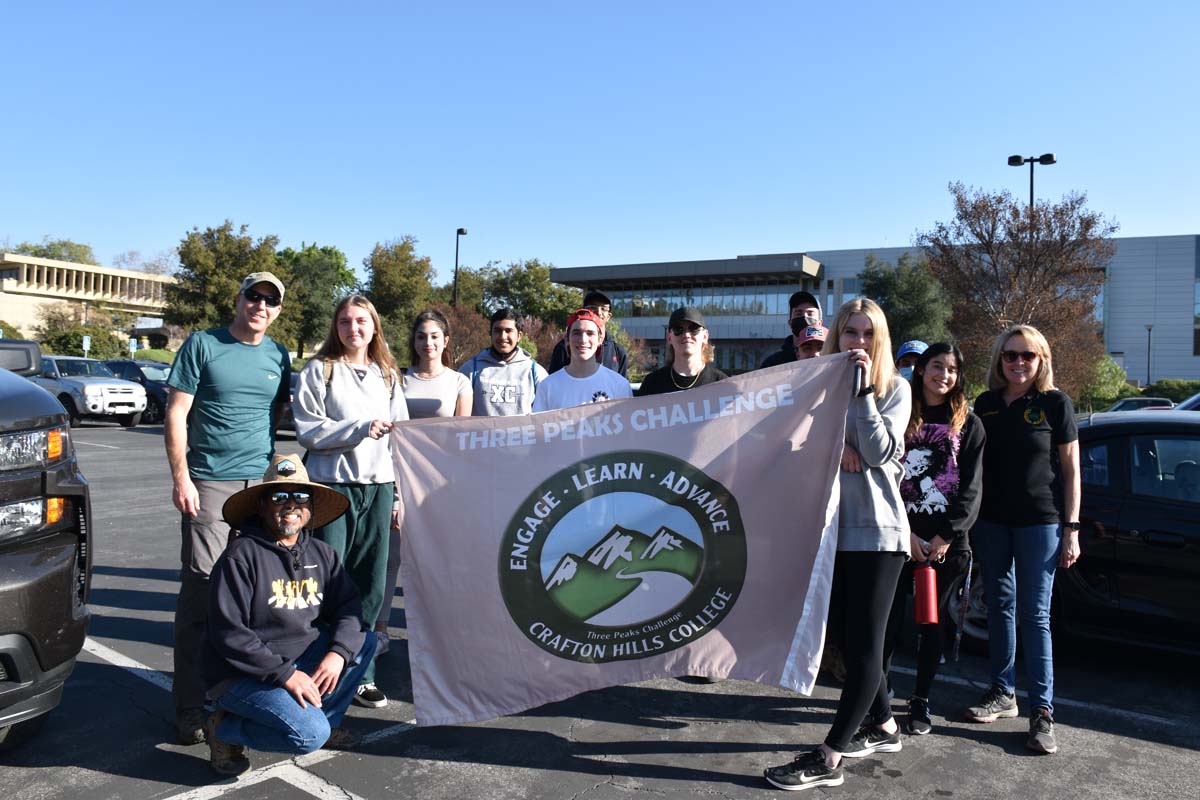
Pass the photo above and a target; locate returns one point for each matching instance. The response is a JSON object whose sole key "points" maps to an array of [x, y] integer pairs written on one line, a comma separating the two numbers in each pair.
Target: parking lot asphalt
{"points": [[1126, 718]]}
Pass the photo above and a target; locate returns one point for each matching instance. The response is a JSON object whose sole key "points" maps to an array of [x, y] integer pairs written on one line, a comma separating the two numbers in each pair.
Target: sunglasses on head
{"points": [[299, 498], [1011, 356], [255, 297], [680, 330]]}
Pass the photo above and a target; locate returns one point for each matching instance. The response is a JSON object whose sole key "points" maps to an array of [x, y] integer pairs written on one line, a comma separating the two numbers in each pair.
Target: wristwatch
{"points": [[1071, 526], [866, 390]]}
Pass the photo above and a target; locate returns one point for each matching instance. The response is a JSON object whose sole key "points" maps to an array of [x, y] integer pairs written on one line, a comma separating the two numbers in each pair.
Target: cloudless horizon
{"points": [[586, 134]]}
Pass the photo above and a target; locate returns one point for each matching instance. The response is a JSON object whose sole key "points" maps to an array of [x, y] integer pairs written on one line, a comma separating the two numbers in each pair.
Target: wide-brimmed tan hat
{"points": [[285, 473]]}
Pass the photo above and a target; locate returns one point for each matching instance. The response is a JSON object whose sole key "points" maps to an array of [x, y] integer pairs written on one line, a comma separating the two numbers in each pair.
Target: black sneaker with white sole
{"points": [[806, 771], [369, 696], [919, 722], [1041, 733], [996, 704], [870, 740]]}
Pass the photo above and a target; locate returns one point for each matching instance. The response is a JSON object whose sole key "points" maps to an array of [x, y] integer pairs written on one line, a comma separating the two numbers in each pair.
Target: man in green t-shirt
{"points": [[228, 386]]}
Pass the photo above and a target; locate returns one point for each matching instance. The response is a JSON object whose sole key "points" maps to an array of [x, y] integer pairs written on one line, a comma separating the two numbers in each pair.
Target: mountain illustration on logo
{"points": [[585, 585]]}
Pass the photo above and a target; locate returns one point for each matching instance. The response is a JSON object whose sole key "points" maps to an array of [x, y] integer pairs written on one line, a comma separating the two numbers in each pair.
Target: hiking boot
{"points": [[918, 722], [870, 740], [1041, 732], [342, 739], [189, 725], [994, 705], [225, 759], [369, 696], [807, 771]]}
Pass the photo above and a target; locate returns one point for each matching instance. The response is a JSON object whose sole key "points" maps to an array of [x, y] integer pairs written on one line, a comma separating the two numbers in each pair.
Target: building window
{"points": [[1196, 321]]}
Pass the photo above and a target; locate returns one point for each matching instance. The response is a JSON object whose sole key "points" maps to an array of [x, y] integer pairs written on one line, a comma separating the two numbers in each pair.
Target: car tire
{"points": [[17, 734], [130, 420], [72, 413], [154, 413]]}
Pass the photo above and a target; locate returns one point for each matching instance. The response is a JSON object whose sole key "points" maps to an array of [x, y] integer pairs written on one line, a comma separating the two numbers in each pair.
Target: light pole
{"points": [[1149, 333], [457, 235], [1018, 161]]}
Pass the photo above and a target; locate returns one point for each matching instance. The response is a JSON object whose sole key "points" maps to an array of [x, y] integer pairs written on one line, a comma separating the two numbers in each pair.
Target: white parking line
{"points": [[1136, 716], [97, 444], [135, 668]]}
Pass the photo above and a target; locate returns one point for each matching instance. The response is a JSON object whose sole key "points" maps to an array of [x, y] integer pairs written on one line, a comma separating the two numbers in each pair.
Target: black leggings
{"points": [[864, 587], [932, 639]]}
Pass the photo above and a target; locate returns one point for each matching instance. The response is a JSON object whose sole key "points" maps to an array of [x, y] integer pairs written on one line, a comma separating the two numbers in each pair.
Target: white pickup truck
{"points": [[87, 388]]}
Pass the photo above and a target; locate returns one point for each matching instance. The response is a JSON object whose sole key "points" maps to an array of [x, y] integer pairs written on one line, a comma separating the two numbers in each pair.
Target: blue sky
{"points": [[585, 133]]}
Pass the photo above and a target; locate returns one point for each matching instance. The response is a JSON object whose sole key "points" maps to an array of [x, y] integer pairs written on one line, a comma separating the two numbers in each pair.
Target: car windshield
{"points": [[155, 372], [82, 367]]}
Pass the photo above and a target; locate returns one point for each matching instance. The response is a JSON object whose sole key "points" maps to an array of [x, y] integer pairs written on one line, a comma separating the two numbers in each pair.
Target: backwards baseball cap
{"points": [[262, 277], [916, 347], [811, 333], [585, 314], [686, 314], [803, 297]]}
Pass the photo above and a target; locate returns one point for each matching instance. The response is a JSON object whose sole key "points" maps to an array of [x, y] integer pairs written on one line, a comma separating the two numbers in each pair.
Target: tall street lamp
{"points": [[458, 234], [1018, 161], [1149, 333]]}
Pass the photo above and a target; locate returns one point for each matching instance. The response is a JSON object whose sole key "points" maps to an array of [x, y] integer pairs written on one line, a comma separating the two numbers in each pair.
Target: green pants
{"points": [[360, 537]]}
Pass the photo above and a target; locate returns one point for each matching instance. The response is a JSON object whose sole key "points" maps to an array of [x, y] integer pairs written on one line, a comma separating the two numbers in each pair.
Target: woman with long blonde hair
{"points": [[1029, 523], [873, 543], [346, 404]]}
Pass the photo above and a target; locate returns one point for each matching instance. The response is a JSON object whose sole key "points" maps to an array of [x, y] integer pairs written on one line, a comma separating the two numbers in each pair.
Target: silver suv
{"points": [[87, 388]]}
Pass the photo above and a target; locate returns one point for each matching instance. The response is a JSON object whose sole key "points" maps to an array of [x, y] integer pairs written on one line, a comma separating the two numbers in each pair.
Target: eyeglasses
{"points": [[299, 498], [254, 297], [1011, 356], [680, 330]]}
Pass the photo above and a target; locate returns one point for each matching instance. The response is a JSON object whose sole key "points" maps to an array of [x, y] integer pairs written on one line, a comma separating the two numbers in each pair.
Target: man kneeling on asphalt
{"points": [[285, 648]]}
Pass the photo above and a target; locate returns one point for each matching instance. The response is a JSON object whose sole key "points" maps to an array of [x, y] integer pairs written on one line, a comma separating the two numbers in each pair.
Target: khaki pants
{"points": [[203, 541]]}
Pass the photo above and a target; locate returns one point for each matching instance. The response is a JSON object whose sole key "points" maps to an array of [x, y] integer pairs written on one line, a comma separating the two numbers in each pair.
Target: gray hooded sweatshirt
{"points": [[871, 515], [502, 388]]}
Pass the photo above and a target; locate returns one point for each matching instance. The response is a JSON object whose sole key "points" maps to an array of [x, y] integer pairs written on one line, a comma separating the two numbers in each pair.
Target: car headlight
{"points": [[34, 448], [25, 516], [92, 391]]}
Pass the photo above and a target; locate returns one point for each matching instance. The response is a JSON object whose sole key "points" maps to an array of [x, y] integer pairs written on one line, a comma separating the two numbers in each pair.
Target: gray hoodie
{"points": [[502, 388], [871, 515]]}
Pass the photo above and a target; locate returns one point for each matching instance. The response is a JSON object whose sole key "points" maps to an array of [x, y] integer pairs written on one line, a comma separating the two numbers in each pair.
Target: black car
{"points": [[1138, 579], [153, 376], [45, 547]]}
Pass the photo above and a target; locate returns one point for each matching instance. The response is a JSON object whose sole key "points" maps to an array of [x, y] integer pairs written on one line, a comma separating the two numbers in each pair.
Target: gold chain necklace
{"points": [[690, 385]]}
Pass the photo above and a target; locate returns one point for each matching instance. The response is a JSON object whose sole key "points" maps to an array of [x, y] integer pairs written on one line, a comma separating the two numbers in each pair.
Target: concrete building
{"points": [[27, 282], [1151, 281]]}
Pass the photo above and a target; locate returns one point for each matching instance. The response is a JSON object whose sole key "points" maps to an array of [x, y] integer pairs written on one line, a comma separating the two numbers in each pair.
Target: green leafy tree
{"points": [[1004, 263], [472, 287], [399, 283], [212, 264], [525, 287], [911, 297], [320, 277], [1109, 384], [69, 342], [10, 331], [59, 249], [1175, 389]]}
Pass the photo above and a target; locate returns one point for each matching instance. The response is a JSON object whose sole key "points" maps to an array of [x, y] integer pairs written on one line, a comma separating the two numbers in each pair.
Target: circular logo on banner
{"points": [[621, 556]]}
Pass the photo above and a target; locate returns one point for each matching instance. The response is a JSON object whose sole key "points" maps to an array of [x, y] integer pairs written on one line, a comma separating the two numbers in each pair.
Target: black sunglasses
{"points": [[255, 297], [680, 330], [299, 498], [1011, 356]]}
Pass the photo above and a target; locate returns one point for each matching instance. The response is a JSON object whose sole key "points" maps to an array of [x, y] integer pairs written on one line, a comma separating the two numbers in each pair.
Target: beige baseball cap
{"points": [[262, 277]]}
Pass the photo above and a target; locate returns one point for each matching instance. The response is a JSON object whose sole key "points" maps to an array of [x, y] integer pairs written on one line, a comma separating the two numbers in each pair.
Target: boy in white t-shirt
{"points": [[582, 380]]}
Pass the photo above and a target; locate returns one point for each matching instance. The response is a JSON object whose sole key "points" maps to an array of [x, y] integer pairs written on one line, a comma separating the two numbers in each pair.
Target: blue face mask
{"points": [[906, 373]]}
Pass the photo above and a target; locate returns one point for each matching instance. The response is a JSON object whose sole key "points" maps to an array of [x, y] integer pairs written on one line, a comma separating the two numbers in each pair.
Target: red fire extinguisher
{"points": [[925, 600]]}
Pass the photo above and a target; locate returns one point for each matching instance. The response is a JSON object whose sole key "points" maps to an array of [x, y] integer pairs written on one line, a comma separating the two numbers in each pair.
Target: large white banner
{"points": [[680, 534]]}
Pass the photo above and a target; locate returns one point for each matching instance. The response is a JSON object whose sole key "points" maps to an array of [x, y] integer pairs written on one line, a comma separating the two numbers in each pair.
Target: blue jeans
{"points": [[268, 718], [1033, 551]]}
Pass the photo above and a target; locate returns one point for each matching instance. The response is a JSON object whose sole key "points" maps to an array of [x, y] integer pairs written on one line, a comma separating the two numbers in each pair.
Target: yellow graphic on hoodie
{"points": [[295, 594]]}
